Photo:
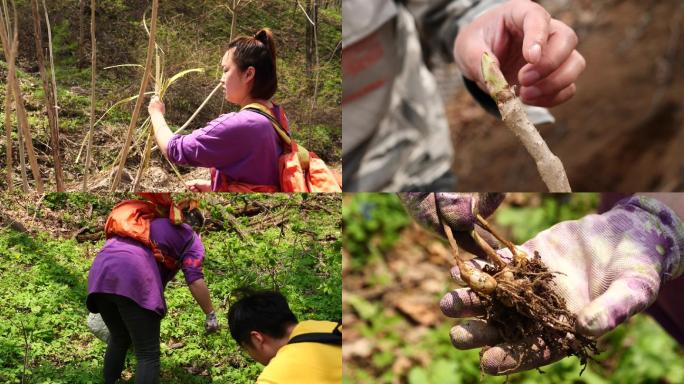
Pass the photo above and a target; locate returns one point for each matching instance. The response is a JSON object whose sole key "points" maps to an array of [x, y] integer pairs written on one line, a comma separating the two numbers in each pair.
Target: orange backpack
{"points": [[299, 169], [132, 219]]}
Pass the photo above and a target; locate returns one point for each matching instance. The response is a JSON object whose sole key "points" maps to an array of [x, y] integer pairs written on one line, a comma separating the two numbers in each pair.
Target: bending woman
{"points": [[126, 286], [241, 148]]}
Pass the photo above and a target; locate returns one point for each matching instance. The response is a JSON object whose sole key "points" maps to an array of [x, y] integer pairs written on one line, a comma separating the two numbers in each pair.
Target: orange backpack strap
{"points": [[226, 185], [132, 219], [284, 134]]}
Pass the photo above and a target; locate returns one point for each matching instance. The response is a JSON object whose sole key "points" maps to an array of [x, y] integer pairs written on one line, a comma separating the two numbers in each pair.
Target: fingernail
{"points": [[530, 77], [535, 53], [531, 93]]}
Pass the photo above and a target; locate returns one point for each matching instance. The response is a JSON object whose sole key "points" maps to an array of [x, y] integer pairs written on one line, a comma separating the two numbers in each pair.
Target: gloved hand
{"points": [[211, 324], [458, 210], [611, 266]]}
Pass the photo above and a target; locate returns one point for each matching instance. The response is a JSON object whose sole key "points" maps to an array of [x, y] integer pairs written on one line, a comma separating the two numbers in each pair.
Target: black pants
{"points": [[129, 323]]}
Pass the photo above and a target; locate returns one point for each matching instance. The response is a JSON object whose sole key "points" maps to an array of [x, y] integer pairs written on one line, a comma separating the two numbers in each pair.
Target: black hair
{"points": [[263, 311], [194, 218], [258, 51]]}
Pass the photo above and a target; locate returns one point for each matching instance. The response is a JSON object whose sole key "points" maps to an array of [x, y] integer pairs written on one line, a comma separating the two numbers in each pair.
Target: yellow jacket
{"points": [[305, 363]]}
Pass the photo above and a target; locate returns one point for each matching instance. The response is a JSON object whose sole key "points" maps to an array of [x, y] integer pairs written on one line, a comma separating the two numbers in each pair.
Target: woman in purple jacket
{"points": [[126, 287], [241, 147]]}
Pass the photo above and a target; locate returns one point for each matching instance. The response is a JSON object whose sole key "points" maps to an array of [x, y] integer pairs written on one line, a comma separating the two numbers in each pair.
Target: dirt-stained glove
{"points": [[610, 267], [458, 210], [211, 324]]}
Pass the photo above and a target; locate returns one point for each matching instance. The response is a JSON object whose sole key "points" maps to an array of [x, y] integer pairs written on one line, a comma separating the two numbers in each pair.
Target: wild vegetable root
{"points": [[519, 298]]}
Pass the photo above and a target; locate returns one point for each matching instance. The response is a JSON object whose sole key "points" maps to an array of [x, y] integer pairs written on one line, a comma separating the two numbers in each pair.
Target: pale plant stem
{"points": [[514, 115], [139, 101]]}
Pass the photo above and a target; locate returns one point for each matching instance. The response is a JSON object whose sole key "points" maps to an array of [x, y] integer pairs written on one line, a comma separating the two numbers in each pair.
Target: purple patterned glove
{"points": [[611, 266], [211, 324], [458, 210]]}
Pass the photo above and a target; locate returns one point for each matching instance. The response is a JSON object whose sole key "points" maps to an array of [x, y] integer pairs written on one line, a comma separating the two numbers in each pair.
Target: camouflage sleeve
{"points": [[440, 20]]}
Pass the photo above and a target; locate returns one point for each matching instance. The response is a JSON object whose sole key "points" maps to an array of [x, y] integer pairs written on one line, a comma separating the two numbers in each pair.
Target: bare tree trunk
{"points": [[312, 60], [233, 11], [8, 138], [10, 57], [81, 33], [93, 7], [237, 5], [309, 39], [55, 106], [19, 101], [316, 59], [8, 104], [141, 97], [49, 96]]}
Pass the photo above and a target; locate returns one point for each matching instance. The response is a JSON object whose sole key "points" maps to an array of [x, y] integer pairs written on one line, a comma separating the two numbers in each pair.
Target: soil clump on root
{"points": [[520, 300], [525, 305]]}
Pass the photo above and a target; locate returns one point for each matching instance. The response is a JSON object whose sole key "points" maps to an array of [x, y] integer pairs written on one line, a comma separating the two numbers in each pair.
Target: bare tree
{"points": [[8, 139], [16, 90], [234, 8], [141, 97], [49, 96], [312, 61], [93, 54], [81, 33]]}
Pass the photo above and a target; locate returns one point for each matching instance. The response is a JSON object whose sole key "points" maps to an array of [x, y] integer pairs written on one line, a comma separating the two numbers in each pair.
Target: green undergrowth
{"points": [[43, 316]]}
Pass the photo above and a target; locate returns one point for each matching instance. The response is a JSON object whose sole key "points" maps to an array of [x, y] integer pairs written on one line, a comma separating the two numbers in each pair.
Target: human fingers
{"points": [[473, 333], [554, 100], [458, 210], [626, 296], [512, 357], [534, 22], [558, 49], [562, 78], [462, 302]]}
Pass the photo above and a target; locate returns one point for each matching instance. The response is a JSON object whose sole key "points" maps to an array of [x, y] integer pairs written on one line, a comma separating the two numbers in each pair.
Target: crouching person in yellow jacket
{"points": [[303, 352]]}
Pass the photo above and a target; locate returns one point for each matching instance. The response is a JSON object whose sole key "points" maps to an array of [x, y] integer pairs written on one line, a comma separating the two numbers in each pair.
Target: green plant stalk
{"points": [[514, 116], [16, 89], [93, 66], [49, 97], [139, 102]]}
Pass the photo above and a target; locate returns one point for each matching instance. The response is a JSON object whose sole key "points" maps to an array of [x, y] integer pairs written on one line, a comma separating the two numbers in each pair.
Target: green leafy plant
{"points": [[45, 286]]}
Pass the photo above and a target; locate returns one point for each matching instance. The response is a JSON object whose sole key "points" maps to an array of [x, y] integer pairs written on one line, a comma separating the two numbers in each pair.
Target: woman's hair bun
{"points": [[264, 35]]}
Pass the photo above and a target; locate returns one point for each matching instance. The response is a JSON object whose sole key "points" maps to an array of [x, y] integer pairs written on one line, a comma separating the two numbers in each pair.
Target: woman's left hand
{"points": [[156, 106], [211, 324], [532, 49]]}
